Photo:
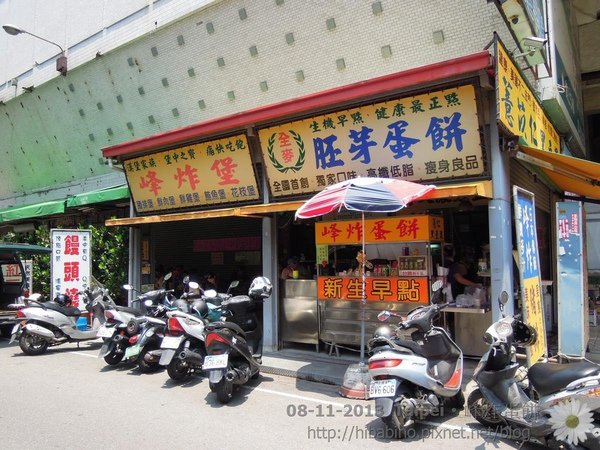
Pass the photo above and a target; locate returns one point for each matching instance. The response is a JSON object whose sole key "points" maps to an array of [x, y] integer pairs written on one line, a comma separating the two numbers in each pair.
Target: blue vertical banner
{"points": [[529, 270], [572, 307]]}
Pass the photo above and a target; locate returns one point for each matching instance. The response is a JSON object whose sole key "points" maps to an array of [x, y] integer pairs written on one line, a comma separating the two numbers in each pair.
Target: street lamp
{"points": [[61, 62]]}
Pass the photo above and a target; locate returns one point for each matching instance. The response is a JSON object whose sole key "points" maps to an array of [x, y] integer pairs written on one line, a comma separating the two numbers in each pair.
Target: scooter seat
{"points": [[134, 311], [547, 378], [70, 311], [230, 325], [411, 345]]}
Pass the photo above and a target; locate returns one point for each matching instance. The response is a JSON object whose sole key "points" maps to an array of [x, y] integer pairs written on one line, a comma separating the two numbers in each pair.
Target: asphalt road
{"points": [[69, 399]]}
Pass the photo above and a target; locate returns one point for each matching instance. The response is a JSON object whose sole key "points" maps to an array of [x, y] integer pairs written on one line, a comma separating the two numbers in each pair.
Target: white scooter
{"points": [[418, 377], [183, 347], [502, 398], [46, 324]]}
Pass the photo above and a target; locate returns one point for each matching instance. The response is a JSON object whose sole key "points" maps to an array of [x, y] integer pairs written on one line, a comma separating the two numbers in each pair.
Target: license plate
{"points": [[105, 332], [215, 362], [171, 342], [132, 351], [382, 388]]}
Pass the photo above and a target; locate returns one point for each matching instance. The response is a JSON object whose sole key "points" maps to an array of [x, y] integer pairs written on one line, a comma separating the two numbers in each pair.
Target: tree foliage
{"points": [[110, 257]]}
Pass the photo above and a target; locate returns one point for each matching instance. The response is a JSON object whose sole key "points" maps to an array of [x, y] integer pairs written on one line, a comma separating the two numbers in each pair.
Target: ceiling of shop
{"points": [[586, 11]]}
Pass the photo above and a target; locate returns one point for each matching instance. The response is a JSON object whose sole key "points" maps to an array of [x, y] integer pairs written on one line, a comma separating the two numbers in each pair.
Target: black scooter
{"points": [[234, 346]]}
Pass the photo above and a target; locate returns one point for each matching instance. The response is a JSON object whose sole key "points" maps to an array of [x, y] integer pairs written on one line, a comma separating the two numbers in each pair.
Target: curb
{"points": [[317, 378]]}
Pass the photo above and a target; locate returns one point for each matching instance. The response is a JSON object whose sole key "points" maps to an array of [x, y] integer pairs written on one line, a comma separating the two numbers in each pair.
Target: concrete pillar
{"points": [[500, 221], [135, 264]]}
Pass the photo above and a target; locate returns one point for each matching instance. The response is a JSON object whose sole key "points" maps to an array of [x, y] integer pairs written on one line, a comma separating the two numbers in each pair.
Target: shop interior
{"points": [[466, 228]]}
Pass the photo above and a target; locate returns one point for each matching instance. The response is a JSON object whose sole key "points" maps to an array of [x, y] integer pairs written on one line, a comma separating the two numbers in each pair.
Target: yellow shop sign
{"points": [[428, 137], [203, 174]]}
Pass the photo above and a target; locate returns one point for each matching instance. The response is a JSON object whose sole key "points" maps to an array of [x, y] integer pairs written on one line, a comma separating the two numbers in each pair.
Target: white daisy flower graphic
{"points": [[571, 421]]}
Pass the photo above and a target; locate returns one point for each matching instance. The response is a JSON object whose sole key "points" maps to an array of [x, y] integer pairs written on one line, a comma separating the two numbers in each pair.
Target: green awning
{"points": [[14, 247], [29, 211], [58, 206], [99, 196]]}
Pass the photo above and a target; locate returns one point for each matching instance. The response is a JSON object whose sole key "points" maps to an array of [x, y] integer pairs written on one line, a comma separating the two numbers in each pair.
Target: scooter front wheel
{"points": [[31, 344], [482, 410]]}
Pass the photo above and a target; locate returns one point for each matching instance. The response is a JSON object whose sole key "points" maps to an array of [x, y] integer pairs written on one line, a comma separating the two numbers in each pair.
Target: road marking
{"points": [[84, 354], [298, 397]]}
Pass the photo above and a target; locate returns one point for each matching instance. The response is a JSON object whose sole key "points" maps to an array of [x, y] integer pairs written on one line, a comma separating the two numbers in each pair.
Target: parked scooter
{"points": [[234, 346], [52, 323], [117, 329], [418, 377], [183, 347], [500, 399]]}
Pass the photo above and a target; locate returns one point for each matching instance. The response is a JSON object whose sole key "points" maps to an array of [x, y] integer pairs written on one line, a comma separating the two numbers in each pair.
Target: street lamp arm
{"points": [[13, 30]]}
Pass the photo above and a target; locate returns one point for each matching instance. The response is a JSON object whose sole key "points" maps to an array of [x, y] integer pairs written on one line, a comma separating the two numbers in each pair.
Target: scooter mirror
{"points": [[167, 276], [503, 300], [128, 287], [186, 279], [193, 285], [211, 293], [383, 316], [436, 286], [234, 284], [148, 303]]}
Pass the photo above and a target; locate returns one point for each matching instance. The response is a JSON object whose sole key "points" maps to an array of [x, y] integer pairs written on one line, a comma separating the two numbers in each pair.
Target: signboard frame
{"points": [[530, 279], [70, 263], [571, 290]]}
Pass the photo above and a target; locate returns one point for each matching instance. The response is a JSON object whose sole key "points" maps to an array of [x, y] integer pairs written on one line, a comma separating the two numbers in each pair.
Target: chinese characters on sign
{"points": [[518, 108], [396, 229], [203, 174], [426, 137], [401, 290], [71, 263], [529, 270], [11, 273]]}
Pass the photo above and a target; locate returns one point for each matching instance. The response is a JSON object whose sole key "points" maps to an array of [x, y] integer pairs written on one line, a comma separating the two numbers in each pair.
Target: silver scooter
{"points": [[525, 401], [47, 324], [417, 377]]}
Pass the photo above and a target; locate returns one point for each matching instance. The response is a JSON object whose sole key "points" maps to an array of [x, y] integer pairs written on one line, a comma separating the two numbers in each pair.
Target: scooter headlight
{"points": [[503, 329]]}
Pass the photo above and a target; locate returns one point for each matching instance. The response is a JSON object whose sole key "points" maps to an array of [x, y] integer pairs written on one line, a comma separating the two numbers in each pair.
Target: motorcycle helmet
{"points": [[384, 331], [62, 300], [261, 287], [199, 308], [181, 305]]}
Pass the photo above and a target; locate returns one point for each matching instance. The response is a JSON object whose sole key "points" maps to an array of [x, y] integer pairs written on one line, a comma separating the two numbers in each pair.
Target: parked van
{"points": [[13, 279]]}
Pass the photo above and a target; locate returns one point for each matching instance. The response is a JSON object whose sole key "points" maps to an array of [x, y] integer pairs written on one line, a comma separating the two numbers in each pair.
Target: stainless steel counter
{"points": [[299, 312], [340, 320], [470, 325]]}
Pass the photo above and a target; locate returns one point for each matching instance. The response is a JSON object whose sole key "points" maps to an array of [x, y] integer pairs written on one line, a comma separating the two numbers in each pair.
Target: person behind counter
{"points": [[458, 274], [209, 282], [288, 271]]}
